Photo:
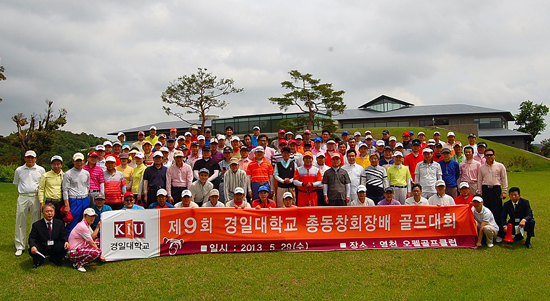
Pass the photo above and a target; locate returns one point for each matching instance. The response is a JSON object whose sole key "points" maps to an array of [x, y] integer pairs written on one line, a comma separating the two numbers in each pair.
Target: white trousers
{"points": [[400, 194], [25, 203]]}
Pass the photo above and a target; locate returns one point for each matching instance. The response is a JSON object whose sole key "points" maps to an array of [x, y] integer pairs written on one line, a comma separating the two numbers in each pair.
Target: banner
{"points": [[127, 234]]}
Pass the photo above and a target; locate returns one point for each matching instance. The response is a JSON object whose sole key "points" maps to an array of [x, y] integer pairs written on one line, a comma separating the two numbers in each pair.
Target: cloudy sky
{"points": [[107, 62]]}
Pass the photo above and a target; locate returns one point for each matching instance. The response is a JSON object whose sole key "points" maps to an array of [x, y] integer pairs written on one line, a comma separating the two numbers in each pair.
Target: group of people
{"points": [[194, 170]]}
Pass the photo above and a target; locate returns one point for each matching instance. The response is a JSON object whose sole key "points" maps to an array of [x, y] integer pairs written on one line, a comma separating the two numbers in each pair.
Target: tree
{"points": [[531, 118], [40, 135], [2, 77], [545, 149], [197, 93], [310, 97]]}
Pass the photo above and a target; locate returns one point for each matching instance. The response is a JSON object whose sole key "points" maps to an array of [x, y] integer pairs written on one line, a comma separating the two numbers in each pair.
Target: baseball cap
{"points": [[292, 141], [439, 183], [214, 192], [244, 148], [208, 130], [308, 154], [140, 155], [438, 144], [162, 136], [385, 131], [120, 134], [126, 146], [421, 133], [234, 161], [331, 141], [431, 142], [220, 137], [117, 143], [416, 142], [335, 155], [56, 157], [406, 134], [128, 193], [282, 131], [206, 148], [411, 132], [193, 143], [78, 156], [107, 143], [235, 138], [361, 145], [110, 159], [89, 212], [164, 149], [238, 190], [289, 133], [186, 192], [259, 149], [464, 184], [173, 129], [124, 156], [356, 134], [307, 131], [367, 137], [446, 151], [213, 141], [478, 199], [178, 153], [345, 133], [388, 189], [287, 195], [158, 154], [204, 170], [298, 137], [263, 188], [153, 128], [361, 188], [194, 127], [368, 132], [93, 154], [380, 143], [100, 148], [282, 141], [392, 138], [147, 142], [437, 133], [201, 137], [256, 128], [482, 144], [427, 150], [187, 134], [450, 134], [227, 149], [397, 153], [387, 147], [472, 135], [317, 139], [398, 144], [161, 192], [457, 144]]}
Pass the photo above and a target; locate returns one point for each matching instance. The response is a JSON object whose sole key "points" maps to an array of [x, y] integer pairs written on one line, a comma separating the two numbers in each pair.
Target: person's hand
{"points": [[326, 199], [287, 180], [308, 184], [522, 223], [504, 228], [41, 206], [478, 244], [250, 194], [347, 199], [67, 209], [258, 207], [139, 197], [409, 194], [145, 198], [438, 205], [503, 195], [98, 225], [66, 246], [170, 200], [34, 250], [102, 258], [236, 206]]}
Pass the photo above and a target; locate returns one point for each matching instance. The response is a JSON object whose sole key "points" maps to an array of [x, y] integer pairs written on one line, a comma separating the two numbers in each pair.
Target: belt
{"points": [[397, 186], [78, 197], [305, 191], [491, 186], [29, 194], [94, 190], [156, 187], [180, 187], [53, 200]]}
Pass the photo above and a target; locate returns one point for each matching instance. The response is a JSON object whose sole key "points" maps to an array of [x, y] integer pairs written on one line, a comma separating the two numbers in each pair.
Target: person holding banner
{"points": [[440, 198], [362, 199], [83, 246], [161, 200], [238, 200], [214, 200], [417, 199], [336, 183], [129, 201], [485, 220], [263, 201], [186, 200]]}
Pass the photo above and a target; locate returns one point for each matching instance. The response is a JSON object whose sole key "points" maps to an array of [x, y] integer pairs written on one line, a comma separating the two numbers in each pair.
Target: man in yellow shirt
{"points": [[125, 169], [49, 188], [363, 156], [136, 176], [153, 138], [400, 178]]}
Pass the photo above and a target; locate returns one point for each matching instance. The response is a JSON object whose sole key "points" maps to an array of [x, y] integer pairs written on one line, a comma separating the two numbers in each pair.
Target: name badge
{"points": [[518, 220], [50, 242]]}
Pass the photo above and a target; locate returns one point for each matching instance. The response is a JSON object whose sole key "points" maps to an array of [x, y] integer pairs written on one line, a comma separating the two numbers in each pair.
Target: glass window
{"points": [[392, 124], [403, 124]]}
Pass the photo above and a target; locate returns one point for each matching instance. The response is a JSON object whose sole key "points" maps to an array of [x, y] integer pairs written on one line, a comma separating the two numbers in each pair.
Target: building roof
{"points": [[165, 126], [488, 133], [417, 111], [385, 97]]}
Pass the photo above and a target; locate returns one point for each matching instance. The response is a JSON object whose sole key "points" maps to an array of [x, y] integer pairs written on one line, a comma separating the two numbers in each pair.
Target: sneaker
{"points": [[499, 239], [490, 245], [18, 252], [80, 269]]}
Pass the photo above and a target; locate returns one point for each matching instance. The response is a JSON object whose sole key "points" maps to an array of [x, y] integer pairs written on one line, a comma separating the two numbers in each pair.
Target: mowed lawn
{"points": [[505, 272]]}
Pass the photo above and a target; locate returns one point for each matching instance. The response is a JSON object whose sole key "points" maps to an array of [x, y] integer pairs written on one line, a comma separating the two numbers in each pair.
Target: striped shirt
{"points": [[259, 172], [374, 176], [115, 184], [96, 176], [233, 180]]}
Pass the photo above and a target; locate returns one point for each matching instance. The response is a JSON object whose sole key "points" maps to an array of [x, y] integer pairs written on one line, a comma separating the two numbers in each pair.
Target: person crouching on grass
{"points": [[486, 224], [83, 242]]}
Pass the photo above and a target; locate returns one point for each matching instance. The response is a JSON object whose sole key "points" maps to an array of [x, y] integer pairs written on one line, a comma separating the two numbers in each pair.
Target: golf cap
{"points": [[367, 137], [380, 143], [56, 157], [213, 141], [158, 154], [204, 170], [356, 134], [388, 148], [173, 129], [164, 149], [457, 144], [128, 193], [188, 193], [140, 155], [120, 134], [206, 148], [411, 133], [126, 146], [307, 131], [299, 137], [234, 138], [90, 211], [158, 143], [100, 196], [439, 183], [227, 149], [93, 154], [446, 151], [427, 150], [368, 132], [244, 148], [208, 130], [472, 135], [259, 149], [238, 190], [234, 161], [256, 128], [397, 153], [201, 137], [107, 143], [362, 145], [100, 148], [319, 155], [289, 133], [263, 188], [478, 199], [416, 142], [464, 184], [194, 127], [187, 134], [214, 192], [194, 143], [392, 138], [147, 142], [398, 144], [437, 133], [162, 192], [317, 139], [292, 141], [386, 132], [110, 159], [345, 133], [450, 134], [178, 154], [281, 131], [388, 189], [282, 141], [361, 188], [335, 156], [431, 142], [482, 144], [220, 137], [153, 128], [421, 133], [287, 195], [438, 144], [78, 156], [124, 156], [406, 134]]}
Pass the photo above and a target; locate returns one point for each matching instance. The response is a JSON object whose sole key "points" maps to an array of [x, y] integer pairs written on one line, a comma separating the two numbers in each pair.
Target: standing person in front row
{"points": [[83, 247], [259, 172], [493, 183], [521, 216], [48, 237], [76, 183], [336, 183], [485, 220], [428, 173], [26, 178], [375, 178], [154, 179], [284, 173], [400, 179], [307, 179]]}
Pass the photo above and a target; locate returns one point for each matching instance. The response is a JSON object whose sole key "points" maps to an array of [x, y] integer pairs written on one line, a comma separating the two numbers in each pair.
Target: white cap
{"points": [[110, 159], [238, 190], [380, 142], [397, 153], [30, 153], [187, 134], [287, 194], [186, 192], [56, 157], [421, 133], [213, 140], [431, 142], [368, 132], [140, 155], [164, 149], [201, 137], [78, 156], [221, 137], [90, 212], [393, 138], [450, 134], [289, 132], [158, 154], [361, 145], [235, 138], [298, 137], [440, 183], [153, 128], [159, 143], [427, 150], [464, 184], [120, 134], [214, 192], [477, 198], [368, 136], [178, 154], [398, 144], [256, 128], [437, 133], [361, 188], [259, 149], [107, 143], [100, 148], [161, 192], [356, 134]]}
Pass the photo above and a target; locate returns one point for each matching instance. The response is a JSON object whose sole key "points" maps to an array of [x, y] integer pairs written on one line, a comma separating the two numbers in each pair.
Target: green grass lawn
{"points": [[509, 272]]}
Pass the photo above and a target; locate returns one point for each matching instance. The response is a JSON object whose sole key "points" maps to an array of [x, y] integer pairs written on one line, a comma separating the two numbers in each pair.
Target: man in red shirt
{"points": [[465, 198], [412, 159], [263, 201]]}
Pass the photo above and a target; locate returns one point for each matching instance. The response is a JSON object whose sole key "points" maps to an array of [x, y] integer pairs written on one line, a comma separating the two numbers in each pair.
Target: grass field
{"points": [[509, 272]]}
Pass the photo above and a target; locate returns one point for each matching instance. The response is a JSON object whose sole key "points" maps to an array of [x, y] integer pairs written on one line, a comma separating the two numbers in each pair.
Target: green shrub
{"points": [[7, 172], [518, 164]]}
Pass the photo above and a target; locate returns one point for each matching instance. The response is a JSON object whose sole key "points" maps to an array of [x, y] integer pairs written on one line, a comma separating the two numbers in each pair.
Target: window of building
{"points": [[430, 122], [490, 123]]}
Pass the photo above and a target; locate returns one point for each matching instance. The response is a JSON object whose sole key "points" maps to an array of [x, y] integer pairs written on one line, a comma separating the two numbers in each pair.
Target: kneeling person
{"points": [[48, 237], [288, 199], [129, 201], [263, 201], [521, 216], [485, 220], [83, 247]]}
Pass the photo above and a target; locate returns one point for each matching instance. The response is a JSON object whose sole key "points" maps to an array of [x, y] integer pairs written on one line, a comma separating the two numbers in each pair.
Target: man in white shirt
{"points": [[362, 199], [214, 200], [238, 200], [417, 199], [486, 224], [26, 178], [186, 200], [427, 173], [440, 198], [354, 171]]}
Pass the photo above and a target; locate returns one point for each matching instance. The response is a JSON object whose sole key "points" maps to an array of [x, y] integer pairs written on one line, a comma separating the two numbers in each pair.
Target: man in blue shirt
{"points": [[161, 200], [450, 173], [99, 208]]}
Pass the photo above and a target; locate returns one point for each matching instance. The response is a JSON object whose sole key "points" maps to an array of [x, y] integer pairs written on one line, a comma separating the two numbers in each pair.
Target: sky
{"points": [[108, 62]]}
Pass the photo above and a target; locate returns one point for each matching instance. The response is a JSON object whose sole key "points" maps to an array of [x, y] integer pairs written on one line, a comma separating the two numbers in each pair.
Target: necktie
{"points": [[50, 228]]}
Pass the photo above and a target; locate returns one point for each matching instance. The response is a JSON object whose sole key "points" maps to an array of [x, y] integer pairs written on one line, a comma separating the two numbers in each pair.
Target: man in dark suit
{"points": [[520, 213], [48, 237]]}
